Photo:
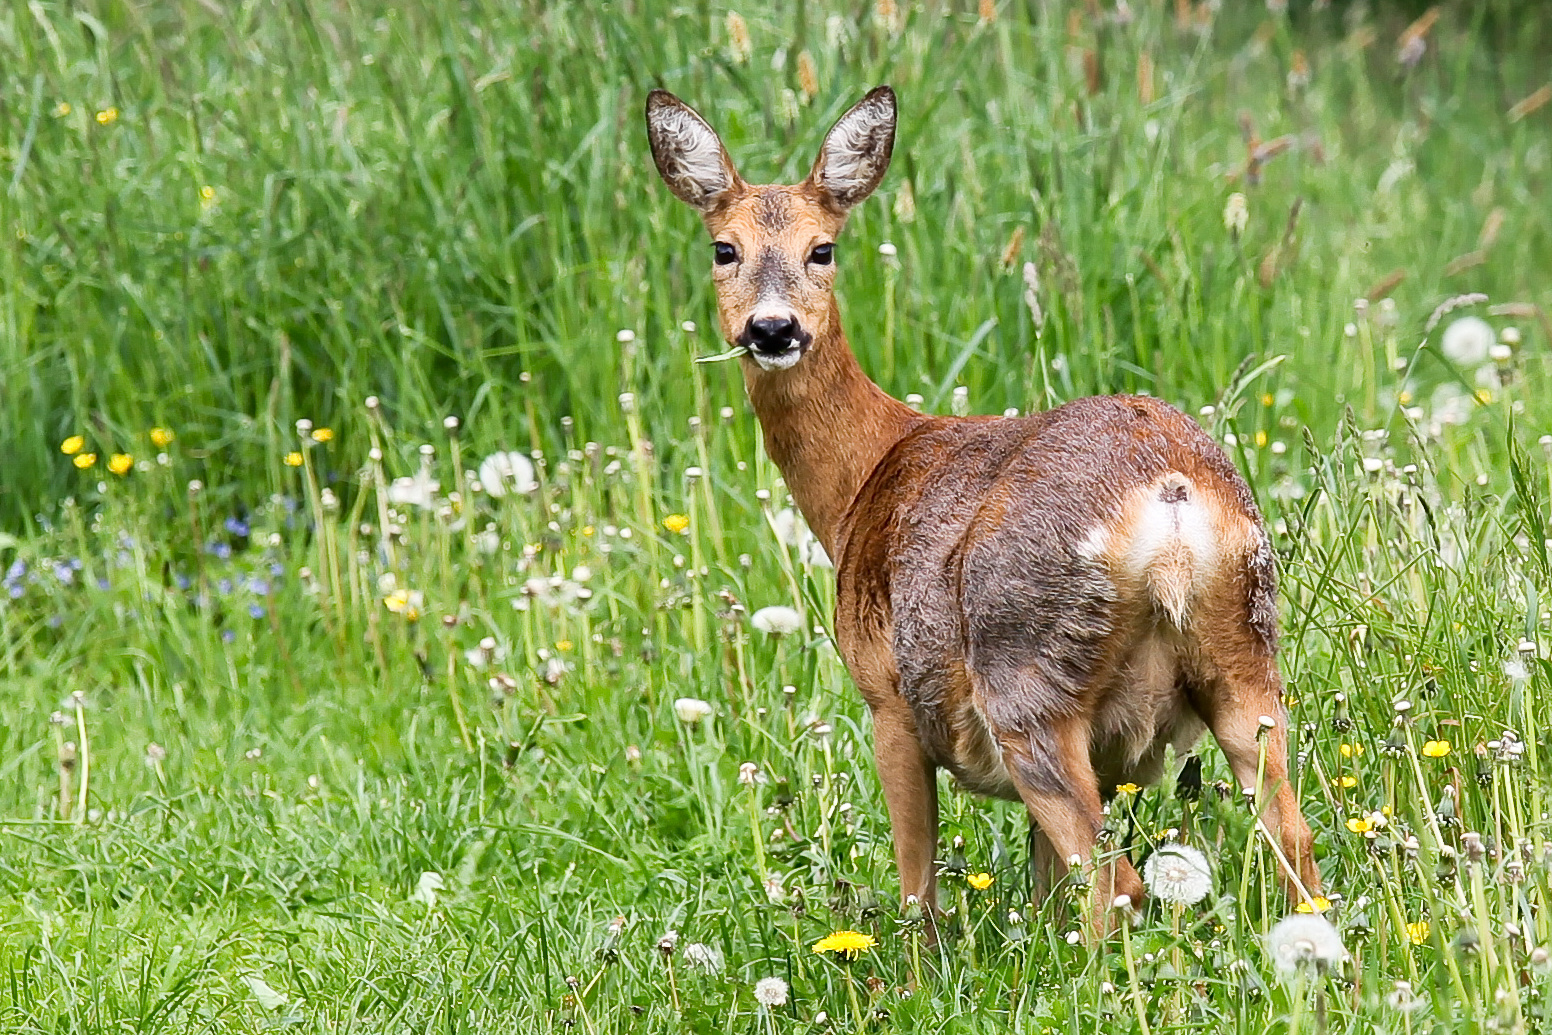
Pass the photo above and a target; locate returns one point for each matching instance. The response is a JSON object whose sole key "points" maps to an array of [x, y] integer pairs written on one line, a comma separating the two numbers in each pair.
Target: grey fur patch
{"points": [[774, 277], [773, 210]]}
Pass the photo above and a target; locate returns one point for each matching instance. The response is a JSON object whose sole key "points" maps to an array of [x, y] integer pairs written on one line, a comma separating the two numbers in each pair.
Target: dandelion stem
{"points": [[1131, 975], [85, 760]]}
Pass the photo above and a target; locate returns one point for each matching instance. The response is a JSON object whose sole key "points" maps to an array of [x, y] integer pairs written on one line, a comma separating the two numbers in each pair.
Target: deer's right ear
{"points": [[688, 153]]}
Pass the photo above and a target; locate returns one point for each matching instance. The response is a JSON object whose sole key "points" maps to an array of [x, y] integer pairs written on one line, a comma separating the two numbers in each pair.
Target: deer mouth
{"points": [[775, 345]]}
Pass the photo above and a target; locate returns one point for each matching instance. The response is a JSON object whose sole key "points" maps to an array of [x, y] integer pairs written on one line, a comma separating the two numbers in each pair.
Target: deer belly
{"points": [[1143, 711], [977, 761]]}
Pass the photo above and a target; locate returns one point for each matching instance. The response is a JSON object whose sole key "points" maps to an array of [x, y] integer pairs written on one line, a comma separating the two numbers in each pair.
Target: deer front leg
{"points": [[911, 793]]}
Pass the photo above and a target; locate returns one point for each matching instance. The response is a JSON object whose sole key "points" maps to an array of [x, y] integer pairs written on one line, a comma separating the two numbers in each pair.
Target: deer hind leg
{"points": [[1051, 768], [1237, 685]]}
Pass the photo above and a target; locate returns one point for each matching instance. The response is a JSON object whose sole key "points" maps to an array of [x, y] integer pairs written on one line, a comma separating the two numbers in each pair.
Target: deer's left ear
{"points": [[856, 151]]}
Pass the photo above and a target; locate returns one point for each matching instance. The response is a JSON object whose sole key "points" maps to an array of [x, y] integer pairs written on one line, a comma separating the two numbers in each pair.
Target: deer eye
{"points": [[725, 253], [822, 255]]}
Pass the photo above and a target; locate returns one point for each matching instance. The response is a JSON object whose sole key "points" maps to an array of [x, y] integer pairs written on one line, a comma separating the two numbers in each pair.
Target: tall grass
{"points": [[263, 682]]}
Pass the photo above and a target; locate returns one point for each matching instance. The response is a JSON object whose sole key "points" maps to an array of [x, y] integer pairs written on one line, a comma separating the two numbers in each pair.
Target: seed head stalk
{"points": [[1138, 1005]]}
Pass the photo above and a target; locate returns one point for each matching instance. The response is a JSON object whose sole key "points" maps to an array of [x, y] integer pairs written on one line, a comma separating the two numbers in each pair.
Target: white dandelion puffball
{"points": [[1177, 874], [417, 491], [702, 957], [691, 710], [273, 1000], [426, 889], [770, 992], [777, 620], [1302, 941], [1466, 341], [501, 473]]}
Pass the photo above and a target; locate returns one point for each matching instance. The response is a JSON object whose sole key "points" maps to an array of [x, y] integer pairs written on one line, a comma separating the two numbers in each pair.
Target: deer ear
{"points": [[856, 151], [688, 153]]}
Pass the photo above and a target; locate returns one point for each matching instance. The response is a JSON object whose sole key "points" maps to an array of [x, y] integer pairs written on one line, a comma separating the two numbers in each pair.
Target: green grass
{"points": [[252, 760]]}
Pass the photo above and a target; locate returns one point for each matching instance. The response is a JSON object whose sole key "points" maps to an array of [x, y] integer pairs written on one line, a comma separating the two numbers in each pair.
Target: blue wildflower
{"points": [[103, 583], [220, 550], [182, 581], [256, 611], [17, 569], [224, 586], [258, 587], [237, 526], [227, 636]]}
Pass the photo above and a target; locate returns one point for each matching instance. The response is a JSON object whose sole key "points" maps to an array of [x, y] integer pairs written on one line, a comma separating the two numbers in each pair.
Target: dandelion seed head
{"points": [[1467, 341], [1304, 940], [777, 620], [507, 472], [770, 992], [707, 959], [691, 710], [1236, 214], [1177, 874]]}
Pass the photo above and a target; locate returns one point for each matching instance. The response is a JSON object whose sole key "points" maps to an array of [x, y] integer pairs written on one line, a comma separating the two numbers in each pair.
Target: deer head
{"points": [[774, 246]]}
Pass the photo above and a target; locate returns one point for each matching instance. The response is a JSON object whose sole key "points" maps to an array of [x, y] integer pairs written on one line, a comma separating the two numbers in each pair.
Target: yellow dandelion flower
{"points": [[72, 445], [1127, 788], [1261, 440], [1359, 825], [587, 529], [1348, 782], [676, 523], [980, 881], [1318, 904], [161, 438], [1484, 395], [323, 434], [1418, 932], [406, 602], [1349, 750], [84, 460], [121, 463], [293, 459], [62, 109], [1267, 398], [846, 944], [564, 645], [107, 116], [1436, 748]]}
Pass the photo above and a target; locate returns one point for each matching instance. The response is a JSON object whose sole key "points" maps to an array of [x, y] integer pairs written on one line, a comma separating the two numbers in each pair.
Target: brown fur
{"points": [[1040, 605]]}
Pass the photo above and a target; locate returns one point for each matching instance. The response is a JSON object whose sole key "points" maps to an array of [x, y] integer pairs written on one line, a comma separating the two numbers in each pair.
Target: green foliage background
{"points": [[222, 219]]}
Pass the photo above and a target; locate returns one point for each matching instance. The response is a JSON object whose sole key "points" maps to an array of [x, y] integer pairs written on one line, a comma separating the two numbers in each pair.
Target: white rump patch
{"points": [[1174, 545]]}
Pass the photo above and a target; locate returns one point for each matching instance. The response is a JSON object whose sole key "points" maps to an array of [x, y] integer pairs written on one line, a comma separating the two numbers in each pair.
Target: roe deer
{"points": [[1038, 604]]}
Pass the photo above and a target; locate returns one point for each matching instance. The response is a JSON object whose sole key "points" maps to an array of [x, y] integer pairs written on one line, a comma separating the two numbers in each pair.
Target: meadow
{"points": [[386, 638]]}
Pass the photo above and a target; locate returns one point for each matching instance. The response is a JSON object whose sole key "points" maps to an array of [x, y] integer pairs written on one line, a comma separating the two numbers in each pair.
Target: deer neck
{"points": [[826, 425]]}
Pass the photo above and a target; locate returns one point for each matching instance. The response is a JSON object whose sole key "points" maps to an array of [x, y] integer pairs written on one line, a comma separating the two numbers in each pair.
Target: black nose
{"points": [[773, 334]]}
